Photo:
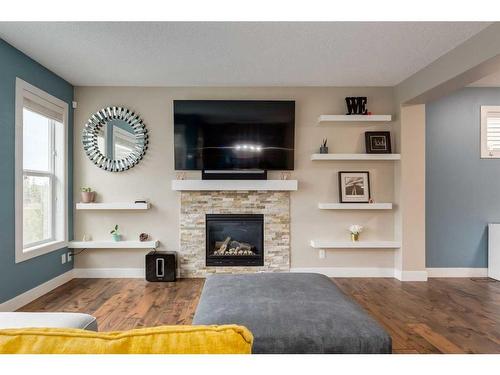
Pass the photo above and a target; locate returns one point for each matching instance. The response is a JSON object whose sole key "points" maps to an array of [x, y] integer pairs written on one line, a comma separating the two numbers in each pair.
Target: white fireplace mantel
{"points": [[233, 185]]}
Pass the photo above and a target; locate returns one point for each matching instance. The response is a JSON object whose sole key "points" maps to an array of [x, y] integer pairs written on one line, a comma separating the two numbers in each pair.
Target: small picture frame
{"points": [[354, 187], [378, 142]]}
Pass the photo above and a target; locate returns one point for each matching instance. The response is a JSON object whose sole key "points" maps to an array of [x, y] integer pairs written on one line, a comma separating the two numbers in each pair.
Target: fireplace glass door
{"points": [[235, 240]]}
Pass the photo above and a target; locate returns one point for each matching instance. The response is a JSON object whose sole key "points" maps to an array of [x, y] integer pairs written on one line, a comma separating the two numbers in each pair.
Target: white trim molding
{"points": [[32, 294], [113, 245], [329, 244], [109, 273], [366, 272], [234, 185], [53, 108], [356, 118], [356, 156], [457, 272], [487, 112], [347, 271], [410, 275]]}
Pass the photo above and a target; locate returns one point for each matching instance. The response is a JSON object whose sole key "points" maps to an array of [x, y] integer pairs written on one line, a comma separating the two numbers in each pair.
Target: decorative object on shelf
{"points": [[378, 142], [324, 148], [86, 237], [116, 234], [180, 176], [144, 237], [87, 195], [355, 230], [115, 139], [354, 187], [356, 105], [371, 201], [285, 176]]}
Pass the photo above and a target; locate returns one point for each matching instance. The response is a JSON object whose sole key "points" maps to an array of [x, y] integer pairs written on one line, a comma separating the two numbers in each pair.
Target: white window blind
{"points": [[490, 132], [43, 107]]}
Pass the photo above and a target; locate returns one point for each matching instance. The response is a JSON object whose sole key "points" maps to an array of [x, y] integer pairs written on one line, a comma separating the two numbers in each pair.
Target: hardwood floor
{"points": [[438, 316], [120, 304]]}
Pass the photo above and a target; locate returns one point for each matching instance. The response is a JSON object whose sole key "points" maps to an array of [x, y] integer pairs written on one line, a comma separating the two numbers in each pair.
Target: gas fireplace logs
{"points": [[228, 247]]}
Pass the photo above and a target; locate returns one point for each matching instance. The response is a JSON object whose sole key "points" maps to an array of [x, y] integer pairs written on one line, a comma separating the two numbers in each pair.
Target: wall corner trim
{"points": [[32, 294], [410, 275], [457, 272]]}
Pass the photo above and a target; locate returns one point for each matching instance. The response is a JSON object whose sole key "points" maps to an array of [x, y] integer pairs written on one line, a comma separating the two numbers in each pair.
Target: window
{"points": [[490, 132], [41, 185]]}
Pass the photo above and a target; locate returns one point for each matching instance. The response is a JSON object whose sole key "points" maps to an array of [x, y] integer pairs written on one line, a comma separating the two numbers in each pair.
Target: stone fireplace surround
{"points": [[274, 205]]}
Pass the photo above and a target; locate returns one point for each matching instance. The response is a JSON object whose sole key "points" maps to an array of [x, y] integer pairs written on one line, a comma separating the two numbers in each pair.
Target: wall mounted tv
{"points": [[234, 134]]}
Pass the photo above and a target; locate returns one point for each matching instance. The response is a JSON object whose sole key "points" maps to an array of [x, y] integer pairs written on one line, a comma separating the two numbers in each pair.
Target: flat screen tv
{"points": [[234, 134]]}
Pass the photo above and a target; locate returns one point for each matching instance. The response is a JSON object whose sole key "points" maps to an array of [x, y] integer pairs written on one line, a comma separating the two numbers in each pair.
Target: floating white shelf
{"points": [[113, 244], [112, 206], [355, 206], [228, 185], [318, 244], [354, 118], [355, 156]]}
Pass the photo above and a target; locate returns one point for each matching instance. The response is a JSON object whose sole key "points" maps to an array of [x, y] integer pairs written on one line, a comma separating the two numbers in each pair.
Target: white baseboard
{"points": [[365, 272], [410, 275], [32, 294], [109, 273], [348, 271], [457, 272]]}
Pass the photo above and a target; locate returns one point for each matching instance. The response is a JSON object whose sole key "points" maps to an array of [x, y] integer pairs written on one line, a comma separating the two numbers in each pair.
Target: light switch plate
{"points": [[63, 258]]}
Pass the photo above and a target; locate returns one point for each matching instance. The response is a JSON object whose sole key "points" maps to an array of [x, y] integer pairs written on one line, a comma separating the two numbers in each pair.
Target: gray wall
{"points": [[18, 278], [462, 190]]}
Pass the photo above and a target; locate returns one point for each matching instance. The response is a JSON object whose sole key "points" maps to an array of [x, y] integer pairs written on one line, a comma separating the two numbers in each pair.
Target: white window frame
{"points": [[59, 191], [485, 111]]}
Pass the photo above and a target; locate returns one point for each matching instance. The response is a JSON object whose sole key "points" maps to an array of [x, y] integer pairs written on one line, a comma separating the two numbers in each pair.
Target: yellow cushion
{"points": [[226, 339]]}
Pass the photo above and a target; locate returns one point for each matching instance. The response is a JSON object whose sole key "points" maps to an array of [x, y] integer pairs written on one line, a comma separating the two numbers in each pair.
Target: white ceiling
{"points": [[237, 54]]}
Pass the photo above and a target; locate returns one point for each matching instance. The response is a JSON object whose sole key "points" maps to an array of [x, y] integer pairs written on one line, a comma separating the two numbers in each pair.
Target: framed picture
{"points": [[378, 142], [354, 187]]}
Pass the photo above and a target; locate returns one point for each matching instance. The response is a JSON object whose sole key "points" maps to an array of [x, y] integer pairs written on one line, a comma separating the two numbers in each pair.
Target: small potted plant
{"points": [[87, 195], [324, 148], [115, 234], [355, 230]]}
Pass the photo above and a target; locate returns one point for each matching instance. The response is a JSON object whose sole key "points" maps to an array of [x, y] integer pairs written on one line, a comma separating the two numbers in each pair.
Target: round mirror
{"points": [[115, 139]]}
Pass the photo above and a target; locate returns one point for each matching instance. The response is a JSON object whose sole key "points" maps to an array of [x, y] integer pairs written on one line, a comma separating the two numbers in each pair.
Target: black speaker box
{"points": [[161, 266]]}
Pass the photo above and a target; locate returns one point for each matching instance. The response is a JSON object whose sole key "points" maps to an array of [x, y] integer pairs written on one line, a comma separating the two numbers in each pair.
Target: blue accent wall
{"points": [[18, 278], [462, 190]]}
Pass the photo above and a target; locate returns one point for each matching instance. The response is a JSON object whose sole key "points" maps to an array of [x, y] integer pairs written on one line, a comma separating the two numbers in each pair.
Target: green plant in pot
{"points": [[115, 233], [87, 195]]}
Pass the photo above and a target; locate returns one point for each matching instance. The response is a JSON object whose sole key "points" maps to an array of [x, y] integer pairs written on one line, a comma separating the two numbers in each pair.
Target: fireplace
{"points": [[234, 240]]}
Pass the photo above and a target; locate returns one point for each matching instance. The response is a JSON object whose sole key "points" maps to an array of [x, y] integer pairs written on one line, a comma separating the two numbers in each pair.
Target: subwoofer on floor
{"points": [[161, 266]]}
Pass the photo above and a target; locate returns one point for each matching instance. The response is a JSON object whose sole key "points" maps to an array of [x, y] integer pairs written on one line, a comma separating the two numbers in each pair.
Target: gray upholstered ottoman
{"points": [[291, 313], [47, 320]]}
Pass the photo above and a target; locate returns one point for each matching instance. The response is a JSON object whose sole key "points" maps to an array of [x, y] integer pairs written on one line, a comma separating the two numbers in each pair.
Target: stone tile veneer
{"points": [[275, 205]]}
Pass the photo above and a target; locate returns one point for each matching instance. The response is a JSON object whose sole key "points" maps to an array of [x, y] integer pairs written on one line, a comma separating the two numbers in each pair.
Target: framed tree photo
{"points": [[354, 187], [378, 142]]}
